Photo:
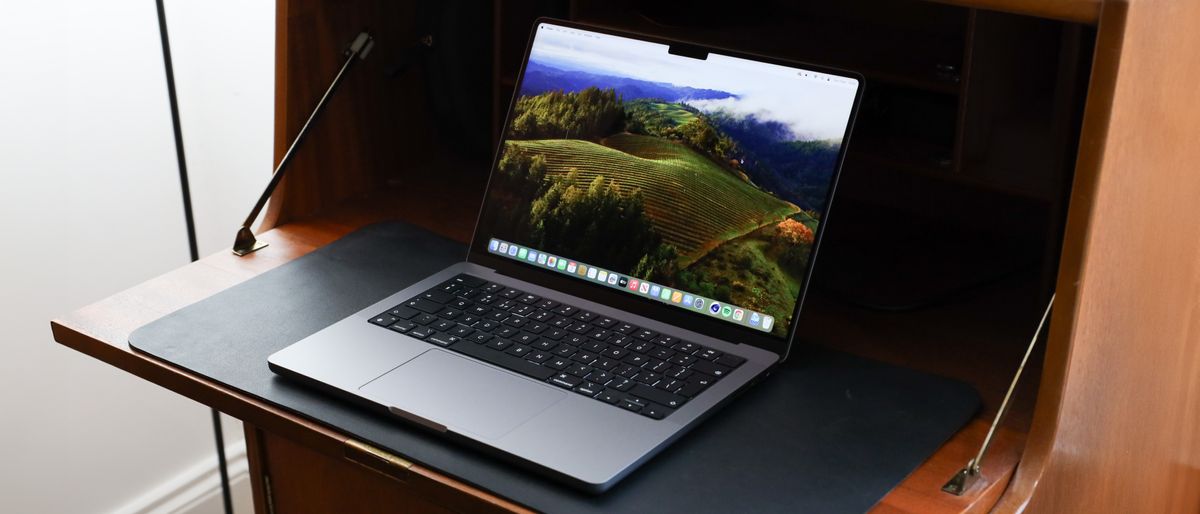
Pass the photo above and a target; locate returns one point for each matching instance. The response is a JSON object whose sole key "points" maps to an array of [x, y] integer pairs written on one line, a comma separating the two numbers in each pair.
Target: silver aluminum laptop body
{"points": [[577, 440]]}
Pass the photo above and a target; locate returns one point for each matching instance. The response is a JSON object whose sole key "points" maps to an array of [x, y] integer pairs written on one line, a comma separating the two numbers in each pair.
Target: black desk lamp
{"points": [[246, 242]]}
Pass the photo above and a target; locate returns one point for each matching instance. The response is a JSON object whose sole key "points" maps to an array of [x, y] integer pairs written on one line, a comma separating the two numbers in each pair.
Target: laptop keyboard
{"points": [[607, 359]]}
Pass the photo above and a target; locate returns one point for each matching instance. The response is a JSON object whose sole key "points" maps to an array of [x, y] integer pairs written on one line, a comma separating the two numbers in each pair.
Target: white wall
{"points": [[90, 205]]}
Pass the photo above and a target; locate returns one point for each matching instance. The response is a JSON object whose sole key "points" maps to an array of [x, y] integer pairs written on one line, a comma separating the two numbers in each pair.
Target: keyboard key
{"points": [[679, 373], [538, 357], [708, 354], [461, 331], [626, 371], [644, 334], [593, 346], [657, 366], [443, 325], [403, 312], [518, 350], [621, 384], [516, 321], [606, 364], [419, 332], [438, 296], [648, 377], [535, 327], [479, 310], [547, 304], [636, 360], [731, 361], [402, 326], [469, 281], [604, 322], [424, 319], [579, 370], [529, 299], [585, 316], [615, 353], [510, 293], [659, 396], [498, 344], [384, 320], [442, 339], [565, 310], [666, 340], [492, 288], [641, 346], [661, 353], [629, 405], [525, 338], [565, 380], [693, 388], [709, 368], [682, 360], [653, 411], [460, 304], [608, 397], [600, 377], [686, 347], [669, 385], [584, 357], [505, 361], [558, 363], [564, 351], [600, 335], [505, 332], [589, 388], [544, 344], [480, 337]]}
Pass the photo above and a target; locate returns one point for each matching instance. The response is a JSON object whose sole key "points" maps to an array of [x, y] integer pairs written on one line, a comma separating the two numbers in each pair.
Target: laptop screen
{"points": [[696, 181]]}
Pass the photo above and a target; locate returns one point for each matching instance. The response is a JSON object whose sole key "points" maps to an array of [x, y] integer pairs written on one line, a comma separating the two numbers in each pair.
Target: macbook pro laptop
{"points": [[647, 235]]}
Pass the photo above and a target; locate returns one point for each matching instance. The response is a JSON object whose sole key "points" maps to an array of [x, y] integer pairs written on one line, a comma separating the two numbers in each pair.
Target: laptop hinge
{"points": [[377, 460]]}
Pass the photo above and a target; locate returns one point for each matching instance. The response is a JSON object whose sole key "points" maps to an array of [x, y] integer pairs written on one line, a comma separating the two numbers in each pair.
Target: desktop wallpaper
{"points": [[709, 176]]}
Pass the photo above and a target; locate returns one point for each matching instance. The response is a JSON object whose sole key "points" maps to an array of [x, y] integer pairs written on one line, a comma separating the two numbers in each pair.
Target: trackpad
{"points": [[440, 388]]}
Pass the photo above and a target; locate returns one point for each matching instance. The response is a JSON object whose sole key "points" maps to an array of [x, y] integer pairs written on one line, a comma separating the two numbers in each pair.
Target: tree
{"points": [[581, 220]]}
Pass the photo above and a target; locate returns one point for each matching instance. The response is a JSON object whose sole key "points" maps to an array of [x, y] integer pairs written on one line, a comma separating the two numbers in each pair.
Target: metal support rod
{"points": [[966, 476], [245, 242]]}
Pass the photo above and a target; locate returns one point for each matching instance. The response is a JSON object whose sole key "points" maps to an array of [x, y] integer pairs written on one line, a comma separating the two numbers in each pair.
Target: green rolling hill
{"points": [[695, 204]]}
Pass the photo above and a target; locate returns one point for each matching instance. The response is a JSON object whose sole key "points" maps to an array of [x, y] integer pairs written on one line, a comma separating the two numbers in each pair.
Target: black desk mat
{"points": [[826, 433]]}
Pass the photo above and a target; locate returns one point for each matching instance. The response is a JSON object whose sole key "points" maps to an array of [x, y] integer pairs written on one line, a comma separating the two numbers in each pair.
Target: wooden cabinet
{"points": [[1006, 148]]}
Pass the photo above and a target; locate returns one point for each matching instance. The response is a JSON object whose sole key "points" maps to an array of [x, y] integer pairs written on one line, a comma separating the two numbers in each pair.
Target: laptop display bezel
{"points": [[625, 301]]}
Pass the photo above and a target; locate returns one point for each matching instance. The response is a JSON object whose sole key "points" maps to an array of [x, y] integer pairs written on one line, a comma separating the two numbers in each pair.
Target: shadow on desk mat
{"points": [[826, 433]]}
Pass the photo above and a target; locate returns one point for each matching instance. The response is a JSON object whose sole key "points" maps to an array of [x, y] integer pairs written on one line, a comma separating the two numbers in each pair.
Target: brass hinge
{"points": [[378, 460]]}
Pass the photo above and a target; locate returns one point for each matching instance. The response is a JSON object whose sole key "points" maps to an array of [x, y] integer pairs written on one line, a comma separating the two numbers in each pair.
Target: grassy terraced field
{"points": [[670, 111], [696, 204]]}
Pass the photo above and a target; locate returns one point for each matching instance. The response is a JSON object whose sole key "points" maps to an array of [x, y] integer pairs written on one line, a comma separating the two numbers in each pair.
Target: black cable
{"points": [[190, 223]]}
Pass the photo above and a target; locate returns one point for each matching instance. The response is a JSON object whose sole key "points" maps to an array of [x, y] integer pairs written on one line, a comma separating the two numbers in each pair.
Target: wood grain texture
{"points": [[367, 131], [921, 493], [1117, 424]]}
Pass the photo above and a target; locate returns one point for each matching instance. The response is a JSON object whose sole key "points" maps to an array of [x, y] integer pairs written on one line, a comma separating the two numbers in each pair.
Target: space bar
{"points": [[503, 360]]}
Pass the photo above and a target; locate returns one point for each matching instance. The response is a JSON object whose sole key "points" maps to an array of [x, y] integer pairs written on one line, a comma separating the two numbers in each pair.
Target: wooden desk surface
{"points": [[102, 330]]}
